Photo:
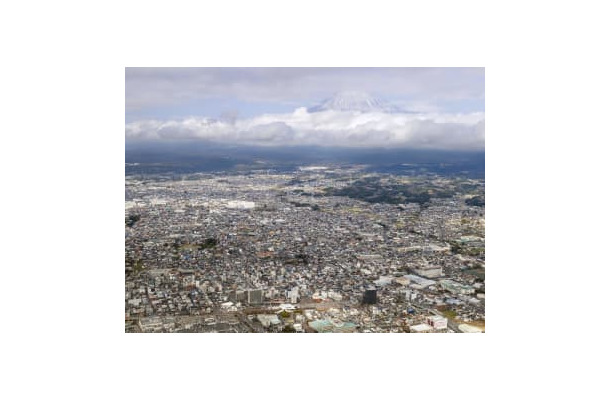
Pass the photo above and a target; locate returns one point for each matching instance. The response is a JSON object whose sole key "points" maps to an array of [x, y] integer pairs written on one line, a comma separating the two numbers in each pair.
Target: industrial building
{"points": [[429, 271], [268, 320], [456, 288]]}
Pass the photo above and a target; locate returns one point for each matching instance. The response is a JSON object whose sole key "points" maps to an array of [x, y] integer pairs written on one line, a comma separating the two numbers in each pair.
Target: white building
{"points": [[293, 295], [437, 322], [419, 282], [335, 295], [151, 324], [429, 271], [241, 205], [268, 319]]}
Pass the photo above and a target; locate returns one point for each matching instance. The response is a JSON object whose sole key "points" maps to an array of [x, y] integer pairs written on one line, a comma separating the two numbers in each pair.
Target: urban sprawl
{"points": [[317, 249]]}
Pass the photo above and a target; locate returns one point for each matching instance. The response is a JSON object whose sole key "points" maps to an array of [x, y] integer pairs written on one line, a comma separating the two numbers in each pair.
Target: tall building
{"points": [[238, 295], [255, 296], [370, 295], [293, 295]]}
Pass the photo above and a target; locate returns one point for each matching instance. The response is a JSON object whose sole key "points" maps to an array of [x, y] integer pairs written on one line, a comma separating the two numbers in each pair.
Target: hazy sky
{"points": [[440, 107]]}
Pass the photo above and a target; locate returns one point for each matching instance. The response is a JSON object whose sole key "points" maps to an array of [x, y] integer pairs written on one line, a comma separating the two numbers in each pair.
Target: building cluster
{"points": [[269, 252]]}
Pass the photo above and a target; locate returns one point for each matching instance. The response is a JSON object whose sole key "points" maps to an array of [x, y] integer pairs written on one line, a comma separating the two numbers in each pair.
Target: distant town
{"points": [[320, 248]]}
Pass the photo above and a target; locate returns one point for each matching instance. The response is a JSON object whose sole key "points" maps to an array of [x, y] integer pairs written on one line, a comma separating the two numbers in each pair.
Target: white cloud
{"points": [[327, 128]]}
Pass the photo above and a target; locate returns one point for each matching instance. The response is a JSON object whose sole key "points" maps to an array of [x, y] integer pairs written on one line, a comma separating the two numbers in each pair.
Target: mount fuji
{"points": [[355, 101]]}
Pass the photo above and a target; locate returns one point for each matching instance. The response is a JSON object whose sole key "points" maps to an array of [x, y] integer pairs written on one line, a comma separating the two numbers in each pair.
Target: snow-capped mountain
{"points": [[355, 101]]}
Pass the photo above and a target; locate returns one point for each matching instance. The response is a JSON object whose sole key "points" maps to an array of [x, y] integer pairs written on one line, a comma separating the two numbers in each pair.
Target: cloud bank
{"points": [[326, 128]]}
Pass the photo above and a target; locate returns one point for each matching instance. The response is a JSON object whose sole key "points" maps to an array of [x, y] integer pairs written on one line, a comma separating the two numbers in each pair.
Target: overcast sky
{"points": [[443, 107]]}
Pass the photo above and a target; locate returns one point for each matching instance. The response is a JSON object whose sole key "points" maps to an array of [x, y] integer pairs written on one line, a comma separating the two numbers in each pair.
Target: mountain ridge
{"points": [[355, 101]]}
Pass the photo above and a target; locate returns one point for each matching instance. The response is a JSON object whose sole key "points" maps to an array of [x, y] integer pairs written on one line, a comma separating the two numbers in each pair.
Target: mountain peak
{"points": [[352, 100]]}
